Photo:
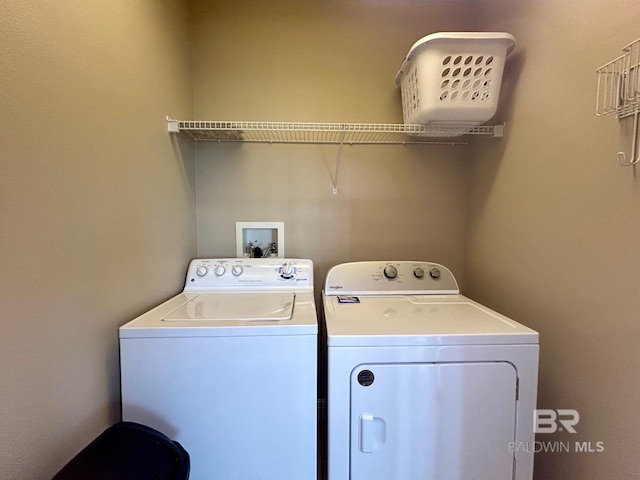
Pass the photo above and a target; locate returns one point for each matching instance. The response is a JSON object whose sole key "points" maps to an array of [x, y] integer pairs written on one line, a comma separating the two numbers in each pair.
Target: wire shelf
{"points": [[330, 133], [619, 84], [619, 94]]}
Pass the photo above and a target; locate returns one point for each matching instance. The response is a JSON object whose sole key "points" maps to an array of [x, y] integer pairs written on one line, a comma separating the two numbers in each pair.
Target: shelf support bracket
{"points": [[337, 172]]}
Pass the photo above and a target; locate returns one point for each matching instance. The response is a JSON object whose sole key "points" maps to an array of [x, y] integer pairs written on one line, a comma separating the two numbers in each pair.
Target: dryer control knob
{"points": [[390, 272], [219, 270], [434, 273], [237, 270], [202, 271], [418, 272]]}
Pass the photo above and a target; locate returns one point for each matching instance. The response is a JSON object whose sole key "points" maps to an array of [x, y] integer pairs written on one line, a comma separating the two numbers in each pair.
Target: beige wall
{"points": [[97, 216], [554, 227], [97, 202], [329, 61]]}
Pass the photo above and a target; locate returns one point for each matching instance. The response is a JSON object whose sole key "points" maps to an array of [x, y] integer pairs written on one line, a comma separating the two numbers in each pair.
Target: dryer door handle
{"points": [[373, 432]]}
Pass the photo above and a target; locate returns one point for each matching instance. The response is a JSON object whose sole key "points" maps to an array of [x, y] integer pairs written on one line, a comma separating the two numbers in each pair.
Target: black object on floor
{"points": [[129, 451]]}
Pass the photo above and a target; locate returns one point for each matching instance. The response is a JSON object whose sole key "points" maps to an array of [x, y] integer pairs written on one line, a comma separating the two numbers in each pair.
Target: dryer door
{"points": [[436, 421]]}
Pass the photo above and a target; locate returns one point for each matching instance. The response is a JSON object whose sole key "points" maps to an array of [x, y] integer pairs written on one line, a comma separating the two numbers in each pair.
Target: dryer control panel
{"points": [[227, 274], [392, 277]]}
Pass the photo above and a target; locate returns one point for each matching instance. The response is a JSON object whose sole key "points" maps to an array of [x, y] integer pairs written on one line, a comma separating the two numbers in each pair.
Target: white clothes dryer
{"points": [[424, 383], [229, 369]]}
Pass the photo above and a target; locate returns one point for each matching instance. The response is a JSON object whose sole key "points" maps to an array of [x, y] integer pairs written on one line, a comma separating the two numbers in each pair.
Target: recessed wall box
{"points": [[260, 239]]}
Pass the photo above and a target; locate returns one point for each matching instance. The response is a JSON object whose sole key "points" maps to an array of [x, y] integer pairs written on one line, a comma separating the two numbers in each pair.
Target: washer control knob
{"points": [[434, 273], [390, 272], [287, 271], [202, 271], [237, 270], [418, 272], [219, 270]]}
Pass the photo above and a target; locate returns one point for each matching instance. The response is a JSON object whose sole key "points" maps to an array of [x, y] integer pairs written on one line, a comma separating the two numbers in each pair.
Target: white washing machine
{"points": [[228, 368], [424, 383]]}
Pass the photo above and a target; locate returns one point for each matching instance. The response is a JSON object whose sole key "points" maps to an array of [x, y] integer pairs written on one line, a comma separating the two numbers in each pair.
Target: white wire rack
{"points": [[619, 93], [329, 133]]}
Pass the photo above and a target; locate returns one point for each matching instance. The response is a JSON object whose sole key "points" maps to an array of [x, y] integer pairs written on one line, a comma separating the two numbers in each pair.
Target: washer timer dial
{"points": [[287, 271]]}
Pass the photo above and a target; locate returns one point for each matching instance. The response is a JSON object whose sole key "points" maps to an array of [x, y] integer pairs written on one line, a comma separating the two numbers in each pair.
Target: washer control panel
{"points": [[246, 273], [393, 277]]}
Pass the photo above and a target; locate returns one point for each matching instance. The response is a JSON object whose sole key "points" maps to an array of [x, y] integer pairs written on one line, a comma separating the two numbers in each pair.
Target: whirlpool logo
{"points": [[335, 287]]}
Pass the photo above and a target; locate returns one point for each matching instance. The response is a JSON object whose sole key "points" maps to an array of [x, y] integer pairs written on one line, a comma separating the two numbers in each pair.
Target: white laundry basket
{"points": [[453, 77]]}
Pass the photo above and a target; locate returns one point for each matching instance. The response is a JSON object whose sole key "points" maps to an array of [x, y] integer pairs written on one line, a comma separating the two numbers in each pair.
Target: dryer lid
{"points": [[387, 320]]}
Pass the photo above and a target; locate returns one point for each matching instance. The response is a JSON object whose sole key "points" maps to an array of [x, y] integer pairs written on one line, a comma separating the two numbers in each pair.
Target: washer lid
{"points": [[277, 306], [388, 320], [205, 314]]}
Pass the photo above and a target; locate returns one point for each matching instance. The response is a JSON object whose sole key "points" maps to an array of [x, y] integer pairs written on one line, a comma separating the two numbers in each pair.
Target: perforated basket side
{"points": [[410, 95], [468, 78]]}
